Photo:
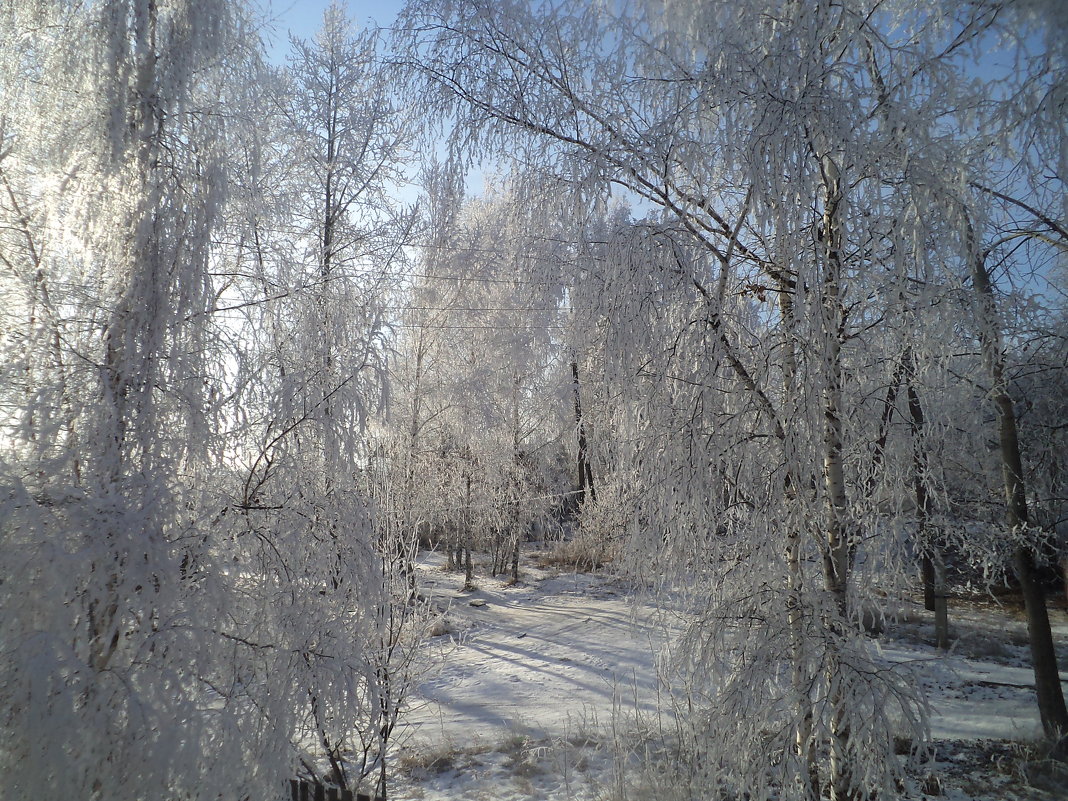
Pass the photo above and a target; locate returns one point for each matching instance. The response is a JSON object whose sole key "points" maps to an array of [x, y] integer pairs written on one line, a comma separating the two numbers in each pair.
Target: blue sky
{"points": [[302, 18]]}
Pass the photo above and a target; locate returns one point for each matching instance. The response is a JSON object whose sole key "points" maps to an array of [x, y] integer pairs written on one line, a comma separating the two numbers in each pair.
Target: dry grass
{"points": [[586, 554], [441, 758]]}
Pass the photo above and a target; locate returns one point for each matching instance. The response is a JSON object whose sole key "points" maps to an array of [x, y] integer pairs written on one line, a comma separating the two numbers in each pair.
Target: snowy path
{"points": [[544, 661]]}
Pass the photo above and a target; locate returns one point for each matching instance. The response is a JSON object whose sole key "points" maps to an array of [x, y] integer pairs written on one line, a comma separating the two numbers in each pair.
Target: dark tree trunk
{"points": [[1051, 705], [934, 590], [585, 471], [927, 573], [515, 559]]}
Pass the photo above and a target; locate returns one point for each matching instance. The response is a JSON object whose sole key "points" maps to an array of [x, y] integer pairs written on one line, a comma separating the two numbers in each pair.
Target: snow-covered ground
{"points": [[533, 687], [539, 658]]}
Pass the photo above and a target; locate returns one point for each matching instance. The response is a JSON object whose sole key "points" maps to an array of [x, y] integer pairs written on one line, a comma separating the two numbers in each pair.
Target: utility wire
{"points": [[486, 280], [555, 326], [472, 309]]}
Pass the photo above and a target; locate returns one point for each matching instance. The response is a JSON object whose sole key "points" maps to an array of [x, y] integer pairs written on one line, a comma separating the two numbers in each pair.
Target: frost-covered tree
{"points": [[115, 175], [477, 364], [311, 278], [192, 342], [798, 237]]}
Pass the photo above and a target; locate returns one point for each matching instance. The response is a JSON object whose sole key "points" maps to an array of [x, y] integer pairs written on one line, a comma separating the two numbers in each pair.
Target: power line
{"points": [[485, 279], [530, 326], [472, 309]]}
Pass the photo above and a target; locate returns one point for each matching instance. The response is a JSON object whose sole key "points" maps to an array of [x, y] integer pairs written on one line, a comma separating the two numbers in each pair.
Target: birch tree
{"points": [[333, 594], [114, 177]]}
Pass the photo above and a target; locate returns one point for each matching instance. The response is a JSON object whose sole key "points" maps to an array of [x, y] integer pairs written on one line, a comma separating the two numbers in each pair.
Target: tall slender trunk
{"points": [[585, 471], [408, 535], [517, 464], [468, 569], [326, 269], [804, 745], [836, 547], [1051, 706], [131, 347], [934, 568]]}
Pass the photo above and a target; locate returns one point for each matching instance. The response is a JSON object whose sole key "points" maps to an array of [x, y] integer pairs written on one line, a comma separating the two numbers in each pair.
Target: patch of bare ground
{"points": [[1004, 769]]}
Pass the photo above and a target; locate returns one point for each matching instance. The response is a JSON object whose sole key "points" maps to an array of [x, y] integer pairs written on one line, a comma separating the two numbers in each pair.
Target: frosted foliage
{"points": [[759, 332], [152, 646], [706, 506], [319, 242], [476, 359], [772, 274], [106, 630]]}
